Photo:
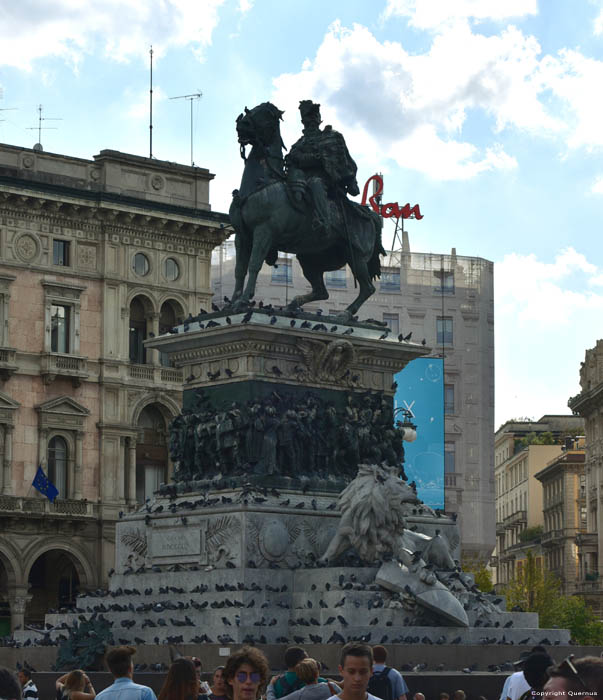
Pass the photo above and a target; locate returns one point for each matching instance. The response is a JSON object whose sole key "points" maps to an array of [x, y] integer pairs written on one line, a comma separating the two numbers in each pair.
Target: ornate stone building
{"points": [[449, 301], [519, 495], [564, 512], [589, 404], [95, 257]]}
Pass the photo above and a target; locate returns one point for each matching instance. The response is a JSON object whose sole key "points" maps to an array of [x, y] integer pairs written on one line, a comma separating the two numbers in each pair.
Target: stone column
{"points": [[6, 467], [131, 470], [152, 327], [79, 461], [17, 600], [42, 447]]}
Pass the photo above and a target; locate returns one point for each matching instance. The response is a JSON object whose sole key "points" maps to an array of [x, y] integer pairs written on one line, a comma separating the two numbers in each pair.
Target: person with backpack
{"points": [[289, 682], [307, 671], [385, 683]]}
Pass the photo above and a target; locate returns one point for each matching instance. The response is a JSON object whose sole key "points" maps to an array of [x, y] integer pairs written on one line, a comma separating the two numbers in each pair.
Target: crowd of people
{"points": [[364, 674]]}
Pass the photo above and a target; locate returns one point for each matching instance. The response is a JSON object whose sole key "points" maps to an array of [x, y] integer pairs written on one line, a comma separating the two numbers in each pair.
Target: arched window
{"points": [[167, 320], [57, 464], [151, 453], [138, 332]]}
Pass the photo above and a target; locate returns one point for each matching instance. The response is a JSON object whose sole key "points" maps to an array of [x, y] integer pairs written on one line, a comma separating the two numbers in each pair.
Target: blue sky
{"points": [[489, 114]]}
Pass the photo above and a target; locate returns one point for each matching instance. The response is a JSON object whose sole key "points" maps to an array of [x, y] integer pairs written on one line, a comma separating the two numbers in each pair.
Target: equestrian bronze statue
{"points": [[300, 205]]}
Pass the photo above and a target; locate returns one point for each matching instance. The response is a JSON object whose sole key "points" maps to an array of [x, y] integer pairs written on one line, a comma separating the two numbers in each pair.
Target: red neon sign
{"points": [[392, 209]]}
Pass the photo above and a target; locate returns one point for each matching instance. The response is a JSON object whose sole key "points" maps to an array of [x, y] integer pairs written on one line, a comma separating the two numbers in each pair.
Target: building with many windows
{"points": [[95, 256], [448, 300], [564, 513], [523, 449], [589, 404]]}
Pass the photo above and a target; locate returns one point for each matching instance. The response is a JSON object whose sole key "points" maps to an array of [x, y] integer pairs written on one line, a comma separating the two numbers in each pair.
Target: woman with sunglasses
{"points": [[245, 674]]}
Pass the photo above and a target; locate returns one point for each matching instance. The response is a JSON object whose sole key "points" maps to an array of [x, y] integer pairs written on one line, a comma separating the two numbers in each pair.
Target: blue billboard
{"points": [[420, 399]]}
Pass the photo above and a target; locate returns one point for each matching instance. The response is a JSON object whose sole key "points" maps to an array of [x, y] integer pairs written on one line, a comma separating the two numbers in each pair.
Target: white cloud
{"points": [[544, 315], [597, 186], [598, 24], [138, 104], [123, 28], [412, 107], [429, 14]]}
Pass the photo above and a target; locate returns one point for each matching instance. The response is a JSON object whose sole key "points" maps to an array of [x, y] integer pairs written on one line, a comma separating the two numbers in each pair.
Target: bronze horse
{"points": [[268, 218]]}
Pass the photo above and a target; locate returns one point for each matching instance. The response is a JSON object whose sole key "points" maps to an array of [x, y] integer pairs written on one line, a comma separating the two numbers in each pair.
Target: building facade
{"points": [[564, 512], [589, 404], [518, 457], [448, 300], [95, 256]]}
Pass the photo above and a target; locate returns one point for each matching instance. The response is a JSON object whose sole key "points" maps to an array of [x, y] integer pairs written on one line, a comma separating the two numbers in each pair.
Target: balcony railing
{"points": [[551, 536], [61, 507], [8, 362], [521, 516], [451, 479], [54, 364], [155, 374]]}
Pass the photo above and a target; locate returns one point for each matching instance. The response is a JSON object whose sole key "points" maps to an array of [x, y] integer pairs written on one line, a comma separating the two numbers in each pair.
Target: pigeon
{"points": [[247, 317], [348, 332]]}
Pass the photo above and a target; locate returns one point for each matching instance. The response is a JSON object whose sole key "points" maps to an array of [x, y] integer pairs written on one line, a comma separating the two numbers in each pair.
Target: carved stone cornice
{"points": [[241, 352]]}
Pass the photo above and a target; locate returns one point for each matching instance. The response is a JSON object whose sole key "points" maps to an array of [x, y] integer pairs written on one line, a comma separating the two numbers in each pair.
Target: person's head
{"points": [[458, 695], [444, 696], [75, 681], [356, 666], [197, 664], [181, 682], [310, 114], [9, 685], [24, 675], [218, 687], [307, 671], [572, 677], [379, 654], [293, 655], [245, 674], [418, 696], [119, 661], [534, 670]]}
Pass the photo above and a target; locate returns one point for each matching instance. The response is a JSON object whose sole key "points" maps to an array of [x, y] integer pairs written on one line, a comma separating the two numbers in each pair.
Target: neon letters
{"points": [[392, 209]]}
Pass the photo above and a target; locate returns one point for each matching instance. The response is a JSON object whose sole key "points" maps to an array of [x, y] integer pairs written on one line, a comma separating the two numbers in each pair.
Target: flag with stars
{"points": [[43, 484]]}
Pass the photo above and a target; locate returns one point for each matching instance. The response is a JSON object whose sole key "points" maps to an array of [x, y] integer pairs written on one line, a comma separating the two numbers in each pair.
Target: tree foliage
{"points": [[530, 533], [481, 573], [545, 438], [538, 591]]}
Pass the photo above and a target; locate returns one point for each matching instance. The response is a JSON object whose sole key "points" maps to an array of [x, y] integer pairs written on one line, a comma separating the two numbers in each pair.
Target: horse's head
{"points": [[260, 125]]}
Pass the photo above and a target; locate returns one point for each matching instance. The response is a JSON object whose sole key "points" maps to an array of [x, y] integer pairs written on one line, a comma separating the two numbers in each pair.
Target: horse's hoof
{"points": [[239, 306], [344, 317]]}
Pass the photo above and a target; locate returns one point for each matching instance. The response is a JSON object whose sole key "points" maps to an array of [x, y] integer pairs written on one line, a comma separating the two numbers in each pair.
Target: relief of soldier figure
{"points": [[285, 435]]}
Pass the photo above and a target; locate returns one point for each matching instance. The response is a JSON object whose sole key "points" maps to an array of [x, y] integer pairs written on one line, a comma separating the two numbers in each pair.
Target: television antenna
{"points": [[38, 146], [5, 109], [193, 97]]}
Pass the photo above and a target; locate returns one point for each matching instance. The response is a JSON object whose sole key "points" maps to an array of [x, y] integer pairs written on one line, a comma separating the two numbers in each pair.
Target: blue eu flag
{"points": [[43, 484]]}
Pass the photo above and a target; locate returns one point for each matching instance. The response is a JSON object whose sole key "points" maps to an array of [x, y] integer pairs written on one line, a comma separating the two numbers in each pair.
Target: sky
{"points": [[489, 114]]}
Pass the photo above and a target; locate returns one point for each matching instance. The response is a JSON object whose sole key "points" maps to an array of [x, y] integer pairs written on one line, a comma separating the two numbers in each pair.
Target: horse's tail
{"points": [[374, 263]]}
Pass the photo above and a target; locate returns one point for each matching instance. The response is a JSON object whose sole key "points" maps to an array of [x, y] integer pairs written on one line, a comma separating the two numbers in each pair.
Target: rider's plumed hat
{"points": [[307, 108]]}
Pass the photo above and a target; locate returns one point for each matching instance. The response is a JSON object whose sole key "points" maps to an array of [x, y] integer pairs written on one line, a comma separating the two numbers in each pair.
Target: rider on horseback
{"points": [[321, 161]]}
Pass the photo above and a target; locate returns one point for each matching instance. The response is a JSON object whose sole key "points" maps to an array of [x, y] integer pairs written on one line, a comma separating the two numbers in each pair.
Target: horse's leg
{"points": [[243, 252], [263, 241], [313, 270], [366, 288]]}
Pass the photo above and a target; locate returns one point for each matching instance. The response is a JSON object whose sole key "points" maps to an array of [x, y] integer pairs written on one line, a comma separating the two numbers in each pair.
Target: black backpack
{"points": [[379, 685]]}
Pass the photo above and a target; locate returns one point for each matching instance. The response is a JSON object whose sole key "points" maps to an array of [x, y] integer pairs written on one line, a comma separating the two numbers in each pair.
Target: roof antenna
{"points": [[190, 98], [38, 146], [5, 109], [151, 105]]}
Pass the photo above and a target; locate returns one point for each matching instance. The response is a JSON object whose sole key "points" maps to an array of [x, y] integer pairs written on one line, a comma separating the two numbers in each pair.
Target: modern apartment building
{"points": [[95, 256], [448, 300]]}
